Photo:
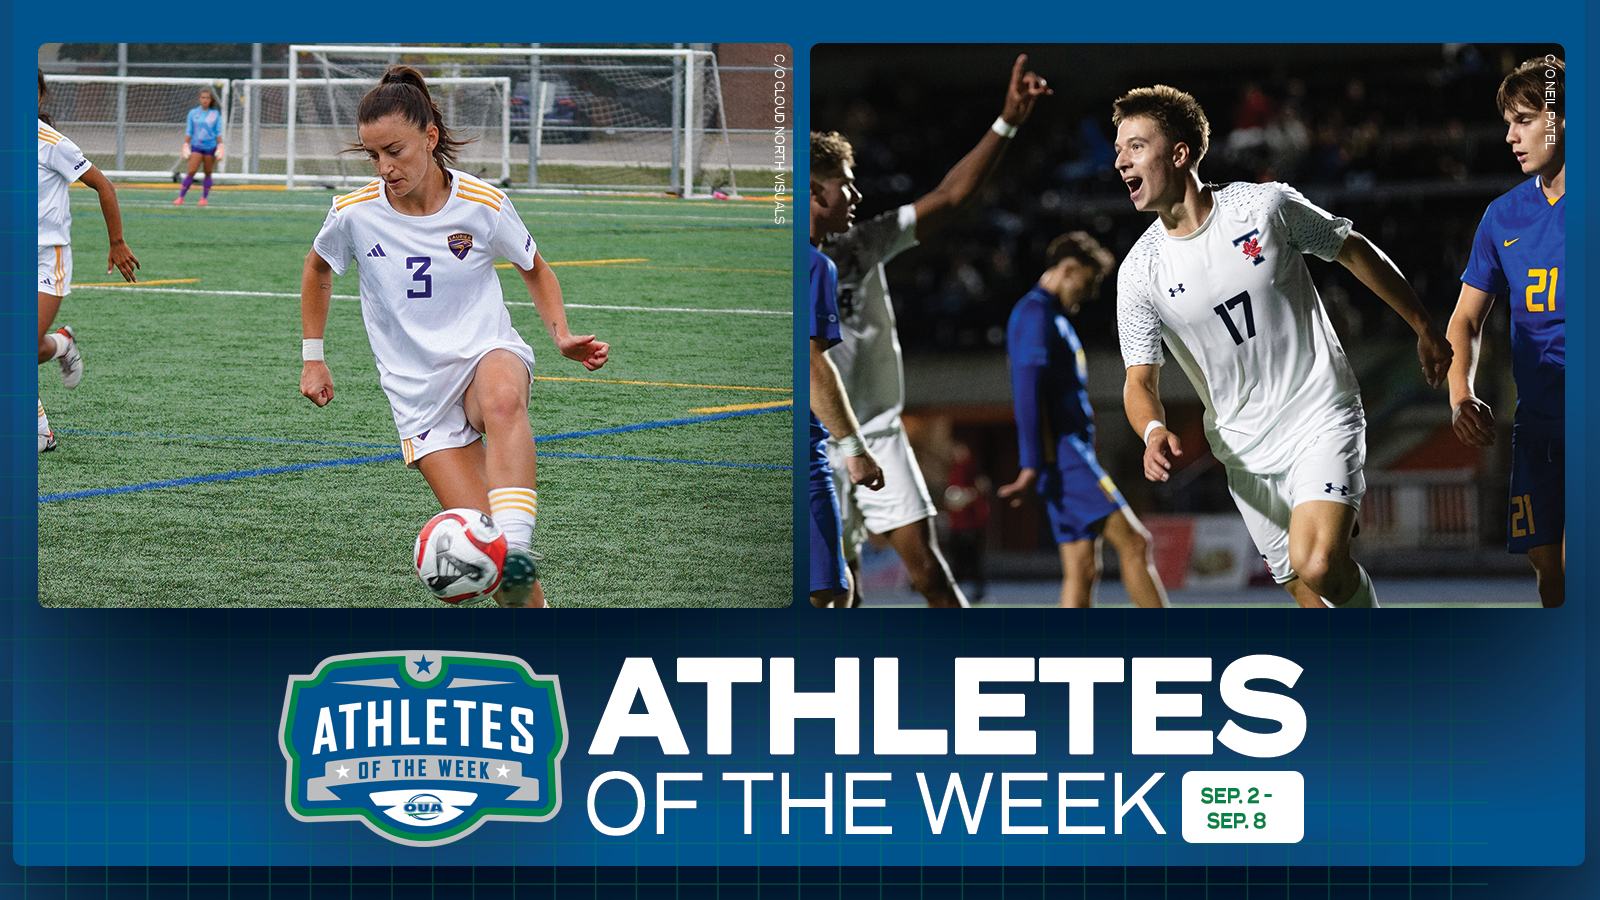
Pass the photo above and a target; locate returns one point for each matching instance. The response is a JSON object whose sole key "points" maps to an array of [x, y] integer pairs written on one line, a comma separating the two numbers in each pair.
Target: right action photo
{"points": [[1188, 326]]}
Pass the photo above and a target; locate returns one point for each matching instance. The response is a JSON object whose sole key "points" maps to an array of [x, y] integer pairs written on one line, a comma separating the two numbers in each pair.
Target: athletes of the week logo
{"points": [[423, 746]]}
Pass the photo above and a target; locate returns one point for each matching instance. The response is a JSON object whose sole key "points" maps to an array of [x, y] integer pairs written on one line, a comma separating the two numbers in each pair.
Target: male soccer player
{"points": [[868, 357], [833, 201], [1220, 278], [1520, 250], [1055, 429]]}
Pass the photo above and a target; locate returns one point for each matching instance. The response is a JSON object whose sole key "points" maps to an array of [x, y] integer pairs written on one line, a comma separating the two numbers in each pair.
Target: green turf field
{"points": [[196, 381]]}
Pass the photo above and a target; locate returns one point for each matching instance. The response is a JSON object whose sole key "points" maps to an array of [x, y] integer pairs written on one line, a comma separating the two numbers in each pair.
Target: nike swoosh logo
{"points": [[1510, 242]]}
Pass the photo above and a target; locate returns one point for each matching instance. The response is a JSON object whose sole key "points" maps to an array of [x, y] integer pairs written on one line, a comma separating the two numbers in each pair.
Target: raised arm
{"points": [[545, 291], [1379, 273], [121, 257], [1141, 398], [830, 404], [316, 294], [939, 206], [1472, 419]]}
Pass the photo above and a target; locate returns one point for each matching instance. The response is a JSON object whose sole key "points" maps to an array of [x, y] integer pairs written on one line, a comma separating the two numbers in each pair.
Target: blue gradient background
{"points": [[1438, 738]]}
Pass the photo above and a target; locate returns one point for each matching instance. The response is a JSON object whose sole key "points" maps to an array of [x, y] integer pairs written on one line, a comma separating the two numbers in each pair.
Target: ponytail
{"points": [[404, 91]]}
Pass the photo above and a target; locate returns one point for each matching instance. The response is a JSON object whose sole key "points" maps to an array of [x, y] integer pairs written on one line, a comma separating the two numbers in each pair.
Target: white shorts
{"points": [[55, 270], [453, 431], [903, 500], [1328, 468]]}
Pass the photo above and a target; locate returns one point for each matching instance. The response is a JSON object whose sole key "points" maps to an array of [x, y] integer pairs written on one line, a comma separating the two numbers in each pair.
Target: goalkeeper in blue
{"points": [[1055, 430], [1520, 252]]}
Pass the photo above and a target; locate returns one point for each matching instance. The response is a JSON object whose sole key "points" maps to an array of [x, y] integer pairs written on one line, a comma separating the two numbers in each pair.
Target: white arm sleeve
{"points": [[333, 243], [511, 240], [1310, 228], [1138, 321]]}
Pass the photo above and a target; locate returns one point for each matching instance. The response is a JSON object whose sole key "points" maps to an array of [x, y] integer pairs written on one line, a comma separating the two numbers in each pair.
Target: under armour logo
{"points": [[377, 250], [1343, 491], [1175, 291]]}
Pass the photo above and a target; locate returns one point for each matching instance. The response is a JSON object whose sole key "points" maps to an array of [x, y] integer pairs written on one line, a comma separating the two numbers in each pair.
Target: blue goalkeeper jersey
{"points": [[824, 316], [204, 127], [1520, 250], [1049, 379]]}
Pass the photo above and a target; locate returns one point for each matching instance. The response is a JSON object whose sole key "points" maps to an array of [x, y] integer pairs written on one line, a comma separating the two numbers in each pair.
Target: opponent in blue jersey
{"points": [[1055, 429], [202, 141], [1520, 251], [833, 200]]}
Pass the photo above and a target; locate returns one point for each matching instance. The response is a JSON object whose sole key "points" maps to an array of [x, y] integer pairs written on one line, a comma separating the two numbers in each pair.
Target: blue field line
{"points": [[389, 457], [224, 476], [226, 437]]}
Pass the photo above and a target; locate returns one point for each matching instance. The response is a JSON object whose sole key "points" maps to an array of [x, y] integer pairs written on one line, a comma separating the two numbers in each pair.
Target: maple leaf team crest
{"points": [[423, 746], [459, 244], [1252, 248]]}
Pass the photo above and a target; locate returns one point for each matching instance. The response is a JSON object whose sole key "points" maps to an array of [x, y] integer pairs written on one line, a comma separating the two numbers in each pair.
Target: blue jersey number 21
{"points": [[1221, 309], [420, 276]]}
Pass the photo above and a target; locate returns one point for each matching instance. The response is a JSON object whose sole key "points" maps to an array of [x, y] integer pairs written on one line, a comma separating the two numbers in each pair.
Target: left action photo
{"points": [[414, 326]]}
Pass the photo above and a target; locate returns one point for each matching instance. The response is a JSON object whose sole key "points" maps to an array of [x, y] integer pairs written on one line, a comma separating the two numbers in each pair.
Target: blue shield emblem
{"points": [[423, 746], [459, 244]]}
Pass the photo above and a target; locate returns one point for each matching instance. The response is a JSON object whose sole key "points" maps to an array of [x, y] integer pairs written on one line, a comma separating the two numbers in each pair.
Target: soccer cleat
{"points": [[178, 202], [203, 201], [47, 442], [72, 360], [519, 575]]}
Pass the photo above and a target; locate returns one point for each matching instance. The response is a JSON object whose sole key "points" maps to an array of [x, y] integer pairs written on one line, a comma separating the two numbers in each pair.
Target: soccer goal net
{"points": [[576, 118], [129, 127], [312, 146]]}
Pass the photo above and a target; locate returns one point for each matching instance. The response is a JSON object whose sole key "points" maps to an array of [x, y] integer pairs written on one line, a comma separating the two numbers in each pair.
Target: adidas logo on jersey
{"points": [[377, 250]]}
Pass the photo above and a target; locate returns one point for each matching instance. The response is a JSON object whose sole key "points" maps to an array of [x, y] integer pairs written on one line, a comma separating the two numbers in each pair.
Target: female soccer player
{"points": [[60, 164], [202, 141], [451, 364]]}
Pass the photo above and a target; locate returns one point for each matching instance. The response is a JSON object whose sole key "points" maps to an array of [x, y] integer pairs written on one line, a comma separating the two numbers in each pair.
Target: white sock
{"points": [[61, 344], [516, 511], [1364, 597], [44, 421]]}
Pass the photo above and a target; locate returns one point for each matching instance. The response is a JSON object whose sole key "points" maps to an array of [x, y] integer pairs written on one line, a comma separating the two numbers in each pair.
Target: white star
{"points": [[343, 772], [503, 770]]}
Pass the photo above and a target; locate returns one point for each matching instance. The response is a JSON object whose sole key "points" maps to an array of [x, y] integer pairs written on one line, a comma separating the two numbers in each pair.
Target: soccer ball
{"points": [[459, 555]]}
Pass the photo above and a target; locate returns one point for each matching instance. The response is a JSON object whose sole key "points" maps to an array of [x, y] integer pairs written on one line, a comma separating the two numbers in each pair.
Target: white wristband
{"points": [[1003, 129], [311, 350], [852, 445], [1154, 424]]}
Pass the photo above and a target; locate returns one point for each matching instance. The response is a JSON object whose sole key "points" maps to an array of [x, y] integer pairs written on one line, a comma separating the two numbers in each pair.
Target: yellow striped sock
{"points": [[44, 421], [516, 511]]}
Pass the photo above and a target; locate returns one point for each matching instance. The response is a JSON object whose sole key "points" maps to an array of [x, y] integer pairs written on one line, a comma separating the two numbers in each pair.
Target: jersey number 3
{"points": [[420, 276], [1221, 309]]}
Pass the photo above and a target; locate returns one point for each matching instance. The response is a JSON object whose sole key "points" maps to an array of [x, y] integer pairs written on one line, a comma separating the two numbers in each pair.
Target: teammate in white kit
{"points": [[60, 164], [1219, 277], [868, 358], [454, 369]]}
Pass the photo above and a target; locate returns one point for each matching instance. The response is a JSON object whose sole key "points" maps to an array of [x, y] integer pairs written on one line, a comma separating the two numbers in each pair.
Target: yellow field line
{"points": [[719, 387], [139, 284], [741, 407], [579, 262]]}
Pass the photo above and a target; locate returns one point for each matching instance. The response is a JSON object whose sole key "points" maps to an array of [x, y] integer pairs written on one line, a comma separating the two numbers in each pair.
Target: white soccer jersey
{"points": [[1236, 304], [868, 354], [430, 296], [60, 164]]}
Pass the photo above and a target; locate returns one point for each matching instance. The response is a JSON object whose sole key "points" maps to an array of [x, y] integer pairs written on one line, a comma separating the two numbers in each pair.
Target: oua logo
{"points": [[423, 746]]}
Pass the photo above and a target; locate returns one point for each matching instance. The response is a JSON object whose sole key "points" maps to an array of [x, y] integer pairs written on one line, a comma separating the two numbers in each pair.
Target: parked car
{"points": [[562, 116]]}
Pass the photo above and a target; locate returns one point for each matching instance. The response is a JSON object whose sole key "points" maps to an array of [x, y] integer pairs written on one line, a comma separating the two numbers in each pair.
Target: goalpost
{"points": [[131, 127], [591, 118]]}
